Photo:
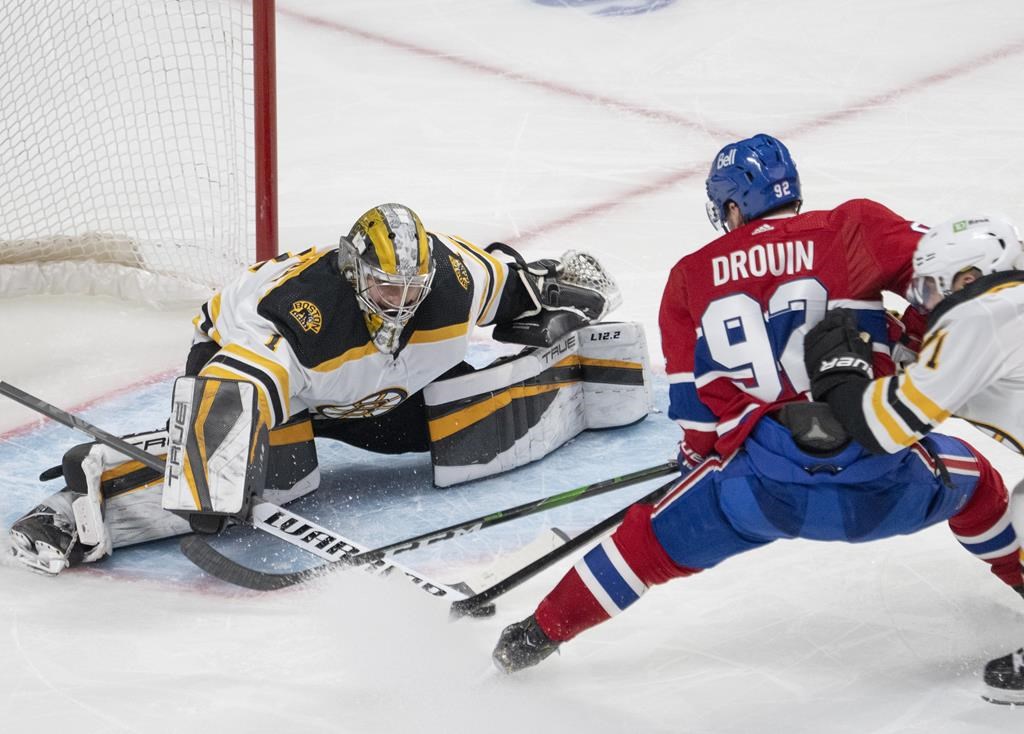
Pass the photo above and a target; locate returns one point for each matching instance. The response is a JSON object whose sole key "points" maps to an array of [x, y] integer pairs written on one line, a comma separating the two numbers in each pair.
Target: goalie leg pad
{"points": [[217, 457], [520, 410]]}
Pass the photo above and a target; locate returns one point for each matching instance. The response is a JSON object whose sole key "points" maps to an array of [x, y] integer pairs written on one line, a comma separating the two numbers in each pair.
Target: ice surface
{"points": [[550, 126]]}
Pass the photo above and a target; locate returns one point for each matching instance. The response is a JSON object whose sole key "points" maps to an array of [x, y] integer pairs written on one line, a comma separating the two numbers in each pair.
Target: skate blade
{"points": [[1002, 697]]}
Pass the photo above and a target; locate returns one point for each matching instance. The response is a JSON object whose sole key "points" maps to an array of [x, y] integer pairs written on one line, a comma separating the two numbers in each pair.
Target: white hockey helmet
{"points": [[387, 258], [989, 243]]}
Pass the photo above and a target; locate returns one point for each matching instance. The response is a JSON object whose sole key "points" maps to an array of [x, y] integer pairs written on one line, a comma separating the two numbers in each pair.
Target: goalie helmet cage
{"points": [[137, 145]]}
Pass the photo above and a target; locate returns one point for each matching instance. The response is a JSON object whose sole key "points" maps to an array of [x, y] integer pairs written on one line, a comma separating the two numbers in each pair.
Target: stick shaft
{"points": [[73, 421], [466, 606], [512, 513]]}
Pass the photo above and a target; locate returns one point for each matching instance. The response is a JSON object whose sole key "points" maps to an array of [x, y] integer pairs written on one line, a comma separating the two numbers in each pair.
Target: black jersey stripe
{"points": [[207, 323], [492, 278], [909, 417], [262, 377]]}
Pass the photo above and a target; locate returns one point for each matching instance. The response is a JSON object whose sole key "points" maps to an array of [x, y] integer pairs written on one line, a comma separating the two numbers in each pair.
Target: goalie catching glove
{"points": [[565, 295]]}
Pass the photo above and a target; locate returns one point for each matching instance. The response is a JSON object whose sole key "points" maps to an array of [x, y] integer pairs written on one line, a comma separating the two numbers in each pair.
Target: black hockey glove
{"points": [[836, 351]]}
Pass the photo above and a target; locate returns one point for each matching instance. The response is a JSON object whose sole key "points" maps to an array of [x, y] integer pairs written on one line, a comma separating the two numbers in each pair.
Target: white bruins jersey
{"points": [[293, 327], [971, 365]]}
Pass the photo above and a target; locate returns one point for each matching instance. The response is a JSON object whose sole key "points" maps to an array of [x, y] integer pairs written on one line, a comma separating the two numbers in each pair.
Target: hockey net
{"points": [[136, 145]]}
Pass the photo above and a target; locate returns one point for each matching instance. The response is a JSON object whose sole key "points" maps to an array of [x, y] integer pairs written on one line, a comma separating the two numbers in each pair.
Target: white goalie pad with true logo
{"points": [[521, 409], [217, 449]]}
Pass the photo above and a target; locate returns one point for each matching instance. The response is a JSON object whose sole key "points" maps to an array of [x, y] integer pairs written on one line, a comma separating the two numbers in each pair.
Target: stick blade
{"points": [[197, 550]]}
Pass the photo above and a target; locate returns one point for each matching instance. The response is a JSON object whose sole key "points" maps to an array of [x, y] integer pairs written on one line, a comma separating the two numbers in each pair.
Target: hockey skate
{"points": [[522, 645], [45, 540], [1004, 679]]}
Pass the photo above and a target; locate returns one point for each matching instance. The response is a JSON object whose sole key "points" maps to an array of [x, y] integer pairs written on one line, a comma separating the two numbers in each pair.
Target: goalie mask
{"points": [[986, 243], [387, 258]]}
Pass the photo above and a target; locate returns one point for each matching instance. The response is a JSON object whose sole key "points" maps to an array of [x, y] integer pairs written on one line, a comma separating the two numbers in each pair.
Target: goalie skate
{"points": [[44, 540]]}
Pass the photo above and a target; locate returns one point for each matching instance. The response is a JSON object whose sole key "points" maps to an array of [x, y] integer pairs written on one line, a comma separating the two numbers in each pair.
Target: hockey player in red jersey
{"points": [[759, 461], [968, 277]]}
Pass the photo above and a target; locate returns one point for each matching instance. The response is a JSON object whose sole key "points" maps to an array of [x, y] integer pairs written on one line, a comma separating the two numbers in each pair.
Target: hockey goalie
{"points": [[364, 342]]}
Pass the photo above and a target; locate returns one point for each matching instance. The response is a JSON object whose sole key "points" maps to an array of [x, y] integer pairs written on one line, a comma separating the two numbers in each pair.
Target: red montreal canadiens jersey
{"points": [[734, 314]]}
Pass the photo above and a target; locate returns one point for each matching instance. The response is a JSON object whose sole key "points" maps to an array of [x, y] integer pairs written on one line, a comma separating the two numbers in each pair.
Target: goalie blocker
{"points": [[519, 410], [217, 452]]}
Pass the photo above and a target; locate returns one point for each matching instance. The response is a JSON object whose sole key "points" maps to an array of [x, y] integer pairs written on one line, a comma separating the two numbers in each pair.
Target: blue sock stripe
{"points": [[609, 577], [1003, 540]]}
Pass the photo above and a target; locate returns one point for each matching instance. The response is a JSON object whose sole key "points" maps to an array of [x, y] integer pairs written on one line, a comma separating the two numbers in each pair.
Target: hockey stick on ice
{"points": [[266, 516], [203, 555], [512, 513], [470, 605], [73, 421], [308, 536]]}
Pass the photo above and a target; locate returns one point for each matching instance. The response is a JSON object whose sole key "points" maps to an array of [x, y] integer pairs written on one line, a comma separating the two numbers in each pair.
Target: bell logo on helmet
{"points": [[756, 174], [725, 158], [308, 316]]}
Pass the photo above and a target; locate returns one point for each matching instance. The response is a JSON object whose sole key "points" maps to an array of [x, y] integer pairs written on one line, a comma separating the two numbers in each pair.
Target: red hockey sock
{"points": [[609, 578], [983, 526]]}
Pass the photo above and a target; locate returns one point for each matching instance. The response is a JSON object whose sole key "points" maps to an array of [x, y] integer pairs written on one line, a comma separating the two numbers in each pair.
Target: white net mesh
{"points": [[126, 138]]}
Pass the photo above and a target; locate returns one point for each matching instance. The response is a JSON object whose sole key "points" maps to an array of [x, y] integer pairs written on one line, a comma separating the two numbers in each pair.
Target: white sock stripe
{"points": [[963, 472], [595, 588], [992, 532], [616, 559]]}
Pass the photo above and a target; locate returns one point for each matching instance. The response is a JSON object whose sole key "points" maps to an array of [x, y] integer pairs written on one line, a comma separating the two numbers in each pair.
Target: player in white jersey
{"points": [[968, 276], [338, 342]]}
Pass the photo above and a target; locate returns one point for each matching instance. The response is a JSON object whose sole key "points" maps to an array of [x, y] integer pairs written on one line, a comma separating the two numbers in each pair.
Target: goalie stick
{"points": [[310, 537], [482, 600], [266, 516], [200, 552]]}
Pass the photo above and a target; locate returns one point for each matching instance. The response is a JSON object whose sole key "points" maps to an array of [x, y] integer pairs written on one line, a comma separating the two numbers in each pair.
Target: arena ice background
{"points": [[548, 124]]}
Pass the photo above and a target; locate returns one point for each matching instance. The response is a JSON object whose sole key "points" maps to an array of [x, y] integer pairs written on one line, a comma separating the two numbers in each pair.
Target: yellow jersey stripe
{"points": [[215, 308], [348, 356], [1004, 286], [269, 366], [494, 268], [922, 402], [425, 336], [304, 260], [223, 372], [881, 410]]}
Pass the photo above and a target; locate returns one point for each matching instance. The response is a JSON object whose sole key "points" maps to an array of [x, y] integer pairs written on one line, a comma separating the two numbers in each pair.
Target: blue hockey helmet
{"points": [[757, 174]]}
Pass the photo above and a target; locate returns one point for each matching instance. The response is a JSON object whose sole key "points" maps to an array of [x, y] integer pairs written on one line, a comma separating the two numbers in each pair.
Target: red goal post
{"points": [[137, 145]]}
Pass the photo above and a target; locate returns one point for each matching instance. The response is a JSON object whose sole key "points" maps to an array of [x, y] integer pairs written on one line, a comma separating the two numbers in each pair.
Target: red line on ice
{"points": [[80, 407], [867, 104]]}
